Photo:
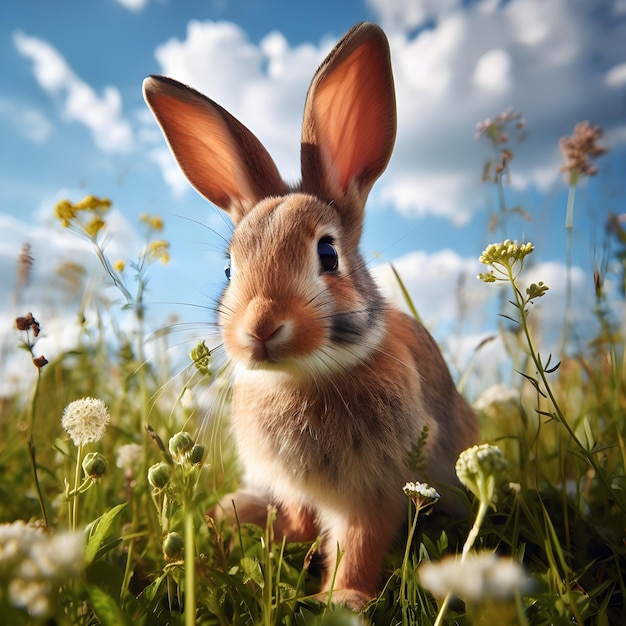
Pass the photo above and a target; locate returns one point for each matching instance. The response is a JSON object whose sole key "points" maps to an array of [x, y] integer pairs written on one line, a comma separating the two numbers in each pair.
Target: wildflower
{"points": [[173, 547], [197, 454], [423, 495], [35, 564], [85, 420], [159, 475], [578, 149], [158, 250], [129, 457], [180, 444], [201, 357], [28, 323], [506, 260], [482, 469], [40, 361], [95, 465], [25, 262], [481, 575], [119, 265], [495, 132], [498, 402], [507, 251], [65, 212], [94, 227]]}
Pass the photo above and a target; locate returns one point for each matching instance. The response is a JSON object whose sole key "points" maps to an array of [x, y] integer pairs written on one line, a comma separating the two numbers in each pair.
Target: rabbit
{"points": [[333, 386]]}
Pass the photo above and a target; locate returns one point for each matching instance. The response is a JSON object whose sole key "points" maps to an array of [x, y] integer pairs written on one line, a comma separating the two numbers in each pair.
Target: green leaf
{"points": [[99, 531], [252, 571], [106, 608]]}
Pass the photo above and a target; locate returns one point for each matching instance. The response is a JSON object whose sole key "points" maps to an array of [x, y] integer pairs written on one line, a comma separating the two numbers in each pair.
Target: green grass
{"points": [[153, 556]]}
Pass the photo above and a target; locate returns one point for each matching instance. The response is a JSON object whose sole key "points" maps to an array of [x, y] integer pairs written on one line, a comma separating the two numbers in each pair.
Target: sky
{"points": [[73, 122]]}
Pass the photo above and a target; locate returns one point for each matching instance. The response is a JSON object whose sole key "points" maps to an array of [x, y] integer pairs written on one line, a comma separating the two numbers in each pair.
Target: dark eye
{"points": [[327, 254], [227, 271]]}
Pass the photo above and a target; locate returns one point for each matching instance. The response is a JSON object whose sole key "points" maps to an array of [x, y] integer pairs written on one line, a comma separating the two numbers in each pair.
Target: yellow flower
{"points": [[159, 250], [156, 222], [119, 265], [65, 212], [94, 227]]}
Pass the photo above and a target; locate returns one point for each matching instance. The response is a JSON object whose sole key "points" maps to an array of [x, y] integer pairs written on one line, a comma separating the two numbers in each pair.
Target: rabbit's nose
{"points": [[265, 329]]}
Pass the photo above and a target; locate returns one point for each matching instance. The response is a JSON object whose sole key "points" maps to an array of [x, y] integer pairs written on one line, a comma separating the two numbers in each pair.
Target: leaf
{"points": [[405, 293], [584, 435], [252, 571], [106, 608], [534, 382], [98, 532]]}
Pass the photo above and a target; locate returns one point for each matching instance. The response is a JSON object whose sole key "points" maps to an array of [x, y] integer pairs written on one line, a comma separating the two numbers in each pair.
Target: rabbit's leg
{"points": [[364, 539], [295, 522]]}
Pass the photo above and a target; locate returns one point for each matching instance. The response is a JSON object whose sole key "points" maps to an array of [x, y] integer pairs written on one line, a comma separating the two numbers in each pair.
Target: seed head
{"points": [[85, 420]]}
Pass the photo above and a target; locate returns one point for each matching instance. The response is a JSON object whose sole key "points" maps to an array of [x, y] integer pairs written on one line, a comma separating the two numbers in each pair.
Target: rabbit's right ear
{"points": [[221, 158]]}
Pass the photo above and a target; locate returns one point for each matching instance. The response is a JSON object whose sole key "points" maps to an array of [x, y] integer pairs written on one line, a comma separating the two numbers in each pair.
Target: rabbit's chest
{"points": [[318, 443]]}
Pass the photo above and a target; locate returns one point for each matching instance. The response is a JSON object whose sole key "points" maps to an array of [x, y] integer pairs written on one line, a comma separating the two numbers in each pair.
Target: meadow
{"points": [[112, 461]]}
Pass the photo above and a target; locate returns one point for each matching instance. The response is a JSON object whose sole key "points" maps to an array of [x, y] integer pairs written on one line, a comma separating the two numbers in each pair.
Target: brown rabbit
{"points": [[333, 387]]}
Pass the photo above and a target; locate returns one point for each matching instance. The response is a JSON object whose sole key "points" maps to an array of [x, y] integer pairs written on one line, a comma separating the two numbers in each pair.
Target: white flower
{"points": [[35, 564], [480, 575], [421, 491], [85, 420], [499, 402], [129, 457]]}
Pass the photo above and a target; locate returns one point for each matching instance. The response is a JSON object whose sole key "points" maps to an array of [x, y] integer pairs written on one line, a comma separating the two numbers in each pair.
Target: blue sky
{"points": [[73, 122]]}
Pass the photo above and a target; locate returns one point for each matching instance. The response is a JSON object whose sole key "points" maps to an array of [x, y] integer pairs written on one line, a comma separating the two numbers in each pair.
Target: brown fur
{"points": [[333, 387]]}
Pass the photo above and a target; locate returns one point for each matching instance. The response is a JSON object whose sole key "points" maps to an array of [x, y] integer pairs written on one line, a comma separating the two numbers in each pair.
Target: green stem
{"points": [[521, 306], [190, 565], [74, 522], [31, 445], [405, 565]]}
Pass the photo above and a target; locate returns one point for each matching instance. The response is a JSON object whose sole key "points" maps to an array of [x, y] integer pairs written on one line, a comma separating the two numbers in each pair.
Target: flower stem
{"points": [[74, 520], [190, 564], [405, 565]]}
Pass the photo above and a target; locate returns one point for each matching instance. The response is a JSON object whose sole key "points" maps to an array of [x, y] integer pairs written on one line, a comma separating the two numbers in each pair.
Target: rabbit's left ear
{"points": [[350, 120]]}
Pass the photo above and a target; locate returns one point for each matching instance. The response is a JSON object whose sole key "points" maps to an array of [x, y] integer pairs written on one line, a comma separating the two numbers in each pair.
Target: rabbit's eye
{"points": [[329, 258], [227, 271]]}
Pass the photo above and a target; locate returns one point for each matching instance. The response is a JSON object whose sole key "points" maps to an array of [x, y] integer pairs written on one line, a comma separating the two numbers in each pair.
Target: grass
{"points": [[149, 554]]}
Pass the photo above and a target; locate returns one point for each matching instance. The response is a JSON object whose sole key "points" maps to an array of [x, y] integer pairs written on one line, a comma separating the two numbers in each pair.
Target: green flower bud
{"points": [[201, 357], [159, 475], [173, 547], [482, 469], [180, 444], [95, 465], [197, 454]]}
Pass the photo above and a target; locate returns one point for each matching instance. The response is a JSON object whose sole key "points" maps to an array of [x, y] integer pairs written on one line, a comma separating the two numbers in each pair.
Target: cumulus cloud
{"points": [[454, 64], [102, 115], [30, 122]]}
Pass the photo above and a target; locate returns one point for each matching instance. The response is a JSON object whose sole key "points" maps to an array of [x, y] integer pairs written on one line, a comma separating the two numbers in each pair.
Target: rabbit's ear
{"points": [[221, 158], [350, 120]]}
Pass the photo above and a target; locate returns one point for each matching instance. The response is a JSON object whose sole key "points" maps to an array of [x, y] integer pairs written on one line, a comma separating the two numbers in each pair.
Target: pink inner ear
{"points": [[354, 111], [201, 144]]}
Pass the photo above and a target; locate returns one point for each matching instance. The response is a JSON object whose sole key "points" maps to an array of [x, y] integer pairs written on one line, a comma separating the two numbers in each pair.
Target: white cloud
{"points": [[493, 71], [616, 76], [30, 122], [454, 64], [134, 5], [102, 115]]}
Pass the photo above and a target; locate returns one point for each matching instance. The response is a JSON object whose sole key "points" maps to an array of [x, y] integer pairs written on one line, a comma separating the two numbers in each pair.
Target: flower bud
{"points": [[173, 547], [197, 454], [180, 444], [159, 475], [95, 465]]}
